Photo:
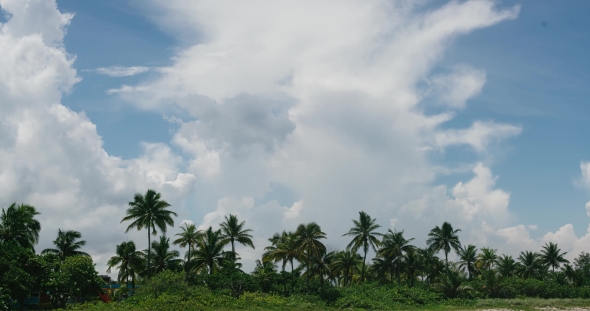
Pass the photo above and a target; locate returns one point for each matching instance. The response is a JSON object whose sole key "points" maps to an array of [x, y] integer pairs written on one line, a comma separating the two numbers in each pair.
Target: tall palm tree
{"points": [[18, 224], [412, 264], [283, 248], [487, 258], [383, 266], [467, 259], [321, 266], [127, 260], [67, 244], [393, 246], [364, 235], [149, 211], [233, 231], [163, 258], [188, 237], [209, 252], [552, 257], [308, 242], [345, 262], [429, 261], [506, 266], [444, 238], [529, 265]]}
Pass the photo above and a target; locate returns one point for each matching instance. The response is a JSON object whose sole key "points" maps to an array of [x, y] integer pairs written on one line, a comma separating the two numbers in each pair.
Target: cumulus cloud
{"points": [[52, 157], [119, 71]]}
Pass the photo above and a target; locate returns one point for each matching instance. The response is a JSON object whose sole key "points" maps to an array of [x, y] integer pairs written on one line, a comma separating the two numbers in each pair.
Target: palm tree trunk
{"points": [[447, 259], [284, 281], [233, 249], [149, 254], [308, 272], [292, 277], [363, 271]]}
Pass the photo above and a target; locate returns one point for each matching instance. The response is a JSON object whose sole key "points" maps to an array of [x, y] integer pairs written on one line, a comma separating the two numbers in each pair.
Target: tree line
{"points": [[211, 257]]}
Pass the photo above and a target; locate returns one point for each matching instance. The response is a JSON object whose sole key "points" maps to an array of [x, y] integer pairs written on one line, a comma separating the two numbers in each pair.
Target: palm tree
{"points": [[321, 266], [18, 224], [308, 242], [209, 252], [394, 245], [529, 265], [552, 257], [127, 260], [67, 244], [188, 237], [467, 259], [411, 264], [383, 266], [506, 266], [429, 261], [364, 235], [487, 258], [164, 258], [233, 231], [345, 262], [263, 273], [444, 238], [284, 248], [149, 211]]}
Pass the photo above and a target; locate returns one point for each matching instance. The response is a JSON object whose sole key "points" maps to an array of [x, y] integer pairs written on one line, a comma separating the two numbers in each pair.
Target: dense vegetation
{"points": [[295, 271]]}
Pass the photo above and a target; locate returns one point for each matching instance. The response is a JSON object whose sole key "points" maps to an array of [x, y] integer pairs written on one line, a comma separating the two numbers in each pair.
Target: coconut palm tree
{"points": [[127, 260], [412, 264], [233, 231], [67, 244], [429, 262], [18, 224], [383, 266], [393, 246], [364, 235], [149, 211], [529, 265], [444, 238], [345, 263], [264, 273], [321, 266], [283, 249], [487, 258], [308, 243], [467, 259], [209, 252], [552, 257], [188, 237], [506, 266], [162, 257]]}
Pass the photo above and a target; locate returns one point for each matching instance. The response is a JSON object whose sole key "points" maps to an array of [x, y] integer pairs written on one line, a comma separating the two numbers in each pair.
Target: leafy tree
{"points": [[67, 244], [468, 258], [429, 262], [308, 241], [233, 231], [209, 253], [345, 262], [444, 238], [451, 284], [551, 256], [283, 248], [582, 264], [364, 235], [393, 247], [321, 266], [487, 258], [493, 283], [127, 260], [18, 224], [75, 276], [529, 265], [15, 277], [412, 264], [506, 266], [163, 258], [188, 237], [265, 273], [149, 211]]}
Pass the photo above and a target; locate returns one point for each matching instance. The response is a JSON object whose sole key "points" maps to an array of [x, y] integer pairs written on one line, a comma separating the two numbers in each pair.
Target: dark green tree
{"points": [[364, 236], [67, 244], [209, 252], [552, 257], [233, 231], [149, 211], [308, 243], [444, 238], [18, 224], [163, 258], [467, 259], [128, 261]]}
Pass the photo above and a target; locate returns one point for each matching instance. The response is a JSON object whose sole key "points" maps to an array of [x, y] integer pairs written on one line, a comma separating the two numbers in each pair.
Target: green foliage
{"points": [[373, 296], [169, 282], [15, 277]]}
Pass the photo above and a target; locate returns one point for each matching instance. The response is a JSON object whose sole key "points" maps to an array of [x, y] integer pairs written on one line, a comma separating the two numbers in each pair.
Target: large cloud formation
{"points": [[288, 112], [52, 157]]}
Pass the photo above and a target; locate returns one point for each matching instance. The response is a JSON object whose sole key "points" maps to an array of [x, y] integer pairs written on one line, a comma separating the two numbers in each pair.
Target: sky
{"points": [[417, 112]]}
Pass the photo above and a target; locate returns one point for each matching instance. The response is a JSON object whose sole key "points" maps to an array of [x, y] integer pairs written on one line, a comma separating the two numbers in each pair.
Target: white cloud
{"points": [[52, 157], [118, 71], [293, 211], [478, 136], [456, 88]]}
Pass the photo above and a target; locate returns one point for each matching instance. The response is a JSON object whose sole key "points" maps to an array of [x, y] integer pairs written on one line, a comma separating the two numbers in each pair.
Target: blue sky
{"points": [[537, 76], [268, 124]]}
